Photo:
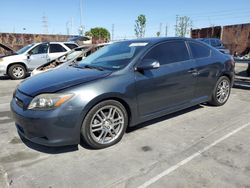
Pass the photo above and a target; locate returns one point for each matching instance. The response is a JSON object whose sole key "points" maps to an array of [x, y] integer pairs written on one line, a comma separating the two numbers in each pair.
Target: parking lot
{"points": [[202, 146]]}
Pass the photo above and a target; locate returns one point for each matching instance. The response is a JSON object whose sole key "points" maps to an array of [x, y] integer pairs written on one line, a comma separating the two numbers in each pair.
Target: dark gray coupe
{"points": [[120, 85]]}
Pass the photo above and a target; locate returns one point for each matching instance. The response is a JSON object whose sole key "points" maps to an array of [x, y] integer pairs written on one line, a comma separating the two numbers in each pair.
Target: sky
{"points": [[26, 16]]}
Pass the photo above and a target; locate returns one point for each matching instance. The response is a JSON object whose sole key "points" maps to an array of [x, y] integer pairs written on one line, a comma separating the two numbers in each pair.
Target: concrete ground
{"points": [[202, 146]]}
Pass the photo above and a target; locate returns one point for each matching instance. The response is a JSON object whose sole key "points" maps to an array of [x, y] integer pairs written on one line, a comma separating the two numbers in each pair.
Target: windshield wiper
{"points": [[93, 67], [86, 66]]}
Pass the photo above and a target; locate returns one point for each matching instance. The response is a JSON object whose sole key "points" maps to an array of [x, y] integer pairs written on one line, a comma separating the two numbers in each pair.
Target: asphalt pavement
{"points": [[203, 146]]}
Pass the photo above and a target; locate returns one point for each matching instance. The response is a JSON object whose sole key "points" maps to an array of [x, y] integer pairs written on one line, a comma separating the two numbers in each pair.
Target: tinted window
{"points": [[169, 52], [70, 46], [56, 48], [213, 43], [206, 41], [199, 50], [40, 49], [218, 43]]}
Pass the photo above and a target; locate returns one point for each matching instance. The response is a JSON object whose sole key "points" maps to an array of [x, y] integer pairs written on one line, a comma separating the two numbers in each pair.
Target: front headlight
{"points": [[49, 101]]}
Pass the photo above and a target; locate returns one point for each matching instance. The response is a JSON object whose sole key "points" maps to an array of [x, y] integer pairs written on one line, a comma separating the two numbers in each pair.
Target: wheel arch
{"points": [[115, 97], [229, 76], [17, 63]]}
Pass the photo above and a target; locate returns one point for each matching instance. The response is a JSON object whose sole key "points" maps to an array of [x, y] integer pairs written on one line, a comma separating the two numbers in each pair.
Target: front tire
{"points": [[17, 72], [248, 70], [221, 91], [105, 124]]}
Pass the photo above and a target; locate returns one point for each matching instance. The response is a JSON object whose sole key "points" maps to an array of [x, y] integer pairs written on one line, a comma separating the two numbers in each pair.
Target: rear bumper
{"points": [[49, 128]]}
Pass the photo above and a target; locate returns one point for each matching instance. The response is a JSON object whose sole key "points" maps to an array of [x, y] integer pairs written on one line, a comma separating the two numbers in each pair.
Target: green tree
{"points": [[183, 26], [98, 32], [88, 33], [158, 33], [140, 26]]}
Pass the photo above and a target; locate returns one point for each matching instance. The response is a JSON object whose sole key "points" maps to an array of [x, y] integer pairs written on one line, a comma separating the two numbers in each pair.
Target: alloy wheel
{"points": [[223, 90], [18, 72], [107, 124]]}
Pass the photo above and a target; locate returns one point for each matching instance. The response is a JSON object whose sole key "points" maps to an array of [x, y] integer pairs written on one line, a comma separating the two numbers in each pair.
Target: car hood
{"points": [[58, 79], [14, 58], [8, 51]]}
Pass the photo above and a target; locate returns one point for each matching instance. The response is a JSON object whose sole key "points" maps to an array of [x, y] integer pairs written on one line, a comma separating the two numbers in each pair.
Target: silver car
{"points": [[73, 56], [29, 57]]}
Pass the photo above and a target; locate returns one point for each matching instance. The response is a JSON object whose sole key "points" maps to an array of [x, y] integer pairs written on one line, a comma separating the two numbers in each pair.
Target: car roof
{"points": [[154, 40], [55, 43], [207, 38]]}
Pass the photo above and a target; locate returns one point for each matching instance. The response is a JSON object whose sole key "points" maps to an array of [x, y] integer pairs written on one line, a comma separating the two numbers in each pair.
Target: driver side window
{"points": [[169, 52], [40, 49]]}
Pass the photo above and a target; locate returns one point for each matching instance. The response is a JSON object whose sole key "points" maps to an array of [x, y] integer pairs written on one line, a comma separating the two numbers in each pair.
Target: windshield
{"points": [[114, 56], [24, 49], [71, 55]]}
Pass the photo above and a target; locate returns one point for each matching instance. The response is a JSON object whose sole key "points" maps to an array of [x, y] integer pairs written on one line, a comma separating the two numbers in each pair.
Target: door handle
{"points": [[194, 72]]}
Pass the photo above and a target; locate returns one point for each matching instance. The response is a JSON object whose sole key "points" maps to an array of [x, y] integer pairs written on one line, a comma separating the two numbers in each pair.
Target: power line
{"points": [[224, 17], [214, 12]]}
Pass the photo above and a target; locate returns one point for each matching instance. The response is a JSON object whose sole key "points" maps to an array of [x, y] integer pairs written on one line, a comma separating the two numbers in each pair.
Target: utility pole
{"points": [[160, 28], [166, 30], [81, 19], [71, 26], [176, 25], [67, 27], [113, 32], [45, 24]]}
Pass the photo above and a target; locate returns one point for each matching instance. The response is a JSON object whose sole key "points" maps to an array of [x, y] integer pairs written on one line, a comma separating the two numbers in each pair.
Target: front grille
{"points": [[19, 102]]}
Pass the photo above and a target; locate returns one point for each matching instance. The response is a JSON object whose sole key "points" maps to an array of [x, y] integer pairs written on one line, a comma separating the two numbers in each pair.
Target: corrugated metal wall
{"points": [[17, 41], [235, 37], [209, 32]]}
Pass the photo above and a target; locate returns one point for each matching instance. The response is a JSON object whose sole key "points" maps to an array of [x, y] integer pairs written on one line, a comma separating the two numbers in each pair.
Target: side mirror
{"points": [[148, 64], [29, 54]]}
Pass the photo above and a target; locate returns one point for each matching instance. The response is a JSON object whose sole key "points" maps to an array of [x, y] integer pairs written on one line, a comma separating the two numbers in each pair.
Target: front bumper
{"points": [[2, 72], [3, 68], [57, 127]]}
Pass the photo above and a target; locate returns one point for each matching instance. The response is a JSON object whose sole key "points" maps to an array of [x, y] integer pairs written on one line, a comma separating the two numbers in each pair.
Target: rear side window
{"points": [[70, 46], [56, 48], [218, 43], [169, 52], [199, 50], [213, 43], [206, 41]]}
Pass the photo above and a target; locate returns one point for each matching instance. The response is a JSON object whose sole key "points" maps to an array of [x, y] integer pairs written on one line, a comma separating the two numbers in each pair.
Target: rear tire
{"points": [[221, 91], [105, 124], [17, 72]]}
